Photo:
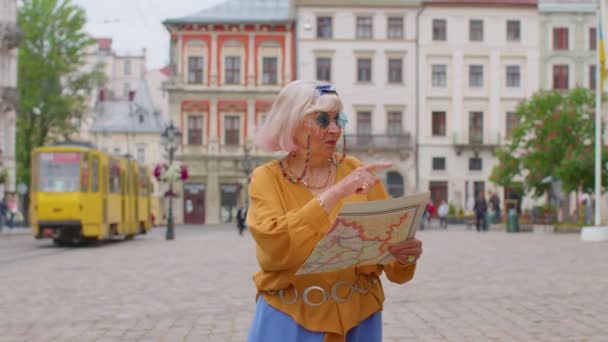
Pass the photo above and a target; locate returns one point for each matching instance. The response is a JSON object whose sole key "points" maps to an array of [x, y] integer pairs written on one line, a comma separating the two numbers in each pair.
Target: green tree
{"points": [[554, 137], [52, 84]]}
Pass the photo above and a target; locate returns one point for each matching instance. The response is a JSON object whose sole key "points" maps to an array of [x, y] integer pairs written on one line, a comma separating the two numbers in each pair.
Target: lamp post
{"points": [[171, 139], [247, 166]]}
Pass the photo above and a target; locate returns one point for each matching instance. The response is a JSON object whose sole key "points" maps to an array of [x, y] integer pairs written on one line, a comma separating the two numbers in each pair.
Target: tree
{"points": [[52, 84], [555, 138]]}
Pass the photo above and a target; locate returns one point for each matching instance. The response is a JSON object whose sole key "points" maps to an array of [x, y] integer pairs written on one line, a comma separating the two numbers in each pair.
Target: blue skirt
{"points": [[272, 325]]}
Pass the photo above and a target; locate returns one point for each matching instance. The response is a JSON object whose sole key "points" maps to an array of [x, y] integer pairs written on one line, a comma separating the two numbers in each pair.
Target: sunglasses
{"points": [[323, 120]]}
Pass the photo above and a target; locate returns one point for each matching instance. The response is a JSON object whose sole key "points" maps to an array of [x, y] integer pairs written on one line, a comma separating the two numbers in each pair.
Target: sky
{"points": [[137, 24]]}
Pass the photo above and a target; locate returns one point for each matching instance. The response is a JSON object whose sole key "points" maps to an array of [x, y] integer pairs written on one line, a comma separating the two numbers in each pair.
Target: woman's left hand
{"points": [[407, 252]]}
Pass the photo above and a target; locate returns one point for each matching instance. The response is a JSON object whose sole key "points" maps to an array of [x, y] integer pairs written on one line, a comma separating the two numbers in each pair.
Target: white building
{"points": [[10, 36], [368, 51], [477, 62]]}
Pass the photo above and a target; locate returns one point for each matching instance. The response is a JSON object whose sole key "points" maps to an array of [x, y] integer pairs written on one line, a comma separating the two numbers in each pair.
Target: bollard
{"points": [[512, 221]]}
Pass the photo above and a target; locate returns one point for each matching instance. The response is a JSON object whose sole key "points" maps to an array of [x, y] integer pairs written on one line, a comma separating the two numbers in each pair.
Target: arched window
{"points": [[394, 183]]}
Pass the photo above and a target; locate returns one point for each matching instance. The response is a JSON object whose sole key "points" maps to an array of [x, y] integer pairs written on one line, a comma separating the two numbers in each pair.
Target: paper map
{"points": [[363, 231]]}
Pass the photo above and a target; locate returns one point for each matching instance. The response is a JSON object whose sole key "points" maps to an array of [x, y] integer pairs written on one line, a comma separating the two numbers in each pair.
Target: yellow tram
{"points": [[83, 194]]}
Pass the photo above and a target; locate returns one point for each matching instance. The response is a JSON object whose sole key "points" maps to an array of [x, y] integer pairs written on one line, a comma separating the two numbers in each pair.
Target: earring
{"points": [[343, 147]]}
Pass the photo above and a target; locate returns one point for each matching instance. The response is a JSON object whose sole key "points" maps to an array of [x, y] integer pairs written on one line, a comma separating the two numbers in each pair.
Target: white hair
{"points": [[295, 101]]}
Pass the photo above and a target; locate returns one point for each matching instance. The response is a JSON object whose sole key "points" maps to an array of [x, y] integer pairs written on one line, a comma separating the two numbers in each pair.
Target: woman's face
{"points": [[324, 129]]}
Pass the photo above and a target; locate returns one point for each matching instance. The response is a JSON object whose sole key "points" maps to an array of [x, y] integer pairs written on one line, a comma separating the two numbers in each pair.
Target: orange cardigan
{"points": [[287, 221]]}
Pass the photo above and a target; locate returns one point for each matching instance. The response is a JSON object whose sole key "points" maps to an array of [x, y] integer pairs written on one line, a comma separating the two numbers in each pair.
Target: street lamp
{"points": [[171, 139]]}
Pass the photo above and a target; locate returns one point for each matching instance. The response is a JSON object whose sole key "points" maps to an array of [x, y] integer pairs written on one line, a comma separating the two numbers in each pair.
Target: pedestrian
{"points": [[443, 211], [430, 211], [12, 210], [241, 216], [495, 205], [3, 213], [480, 208], [293, 202]]}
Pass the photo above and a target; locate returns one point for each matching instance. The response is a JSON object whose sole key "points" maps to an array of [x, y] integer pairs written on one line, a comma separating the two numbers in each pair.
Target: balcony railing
{"points": [[476, 140], [10, 36], [378, 142]]}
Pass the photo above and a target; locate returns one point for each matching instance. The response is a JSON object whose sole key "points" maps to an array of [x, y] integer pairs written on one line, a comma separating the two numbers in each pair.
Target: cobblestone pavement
{"points": [[469, 287]]}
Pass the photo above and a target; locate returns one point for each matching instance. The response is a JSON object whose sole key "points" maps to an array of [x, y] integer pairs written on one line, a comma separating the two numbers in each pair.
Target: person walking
{"points": [[241, 216], [480, 208], [3, 213], [443, 211]]}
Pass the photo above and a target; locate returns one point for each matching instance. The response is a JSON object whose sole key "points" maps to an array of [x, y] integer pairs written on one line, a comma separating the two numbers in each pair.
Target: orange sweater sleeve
{"points": [[284, 238]]}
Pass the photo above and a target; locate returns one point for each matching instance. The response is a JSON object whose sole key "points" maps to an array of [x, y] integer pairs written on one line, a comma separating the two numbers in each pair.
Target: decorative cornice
{"points": [[358, 3]]}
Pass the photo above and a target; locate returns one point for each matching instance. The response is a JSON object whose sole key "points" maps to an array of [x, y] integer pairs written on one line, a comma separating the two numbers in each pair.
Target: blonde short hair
{"points": [[295, 101]]}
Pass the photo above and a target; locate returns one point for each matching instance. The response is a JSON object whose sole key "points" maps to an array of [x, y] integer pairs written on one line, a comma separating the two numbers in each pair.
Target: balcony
{"points": [[10, 36], [476, 141], [378, 142], [9, 98]]}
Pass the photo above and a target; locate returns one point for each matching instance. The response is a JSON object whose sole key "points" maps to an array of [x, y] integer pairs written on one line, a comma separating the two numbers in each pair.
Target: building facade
{"points": [[368, 51], [227, 63], [568, 43], [10, 37], [478, 60]]}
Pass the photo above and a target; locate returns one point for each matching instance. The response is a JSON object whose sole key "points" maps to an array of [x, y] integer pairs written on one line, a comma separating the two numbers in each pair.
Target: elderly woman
{"points": [[294, 201]]}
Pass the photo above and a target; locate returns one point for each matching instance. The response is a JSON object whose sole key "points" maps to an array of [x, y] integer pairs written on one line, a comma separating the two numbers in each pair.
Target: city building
{"points": [[368, 51], [10, 37], [478, 60], [227, 63]]}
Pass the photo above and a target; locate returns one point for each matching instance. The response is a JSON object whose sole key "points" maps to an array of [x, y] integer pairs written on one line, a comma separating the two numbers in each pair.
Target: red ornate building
{"points": [[227, 63]]}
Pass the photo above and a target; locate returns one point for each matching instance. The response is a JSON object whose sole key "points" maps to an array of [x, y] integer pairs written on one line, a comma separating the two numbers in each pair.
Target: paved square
{"points": [[469, 287]]}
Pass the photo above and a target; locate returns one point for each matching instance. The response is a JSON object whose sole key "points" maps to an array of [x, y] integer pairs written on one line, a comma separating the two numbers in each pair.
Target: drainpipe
{"points": [[417, 130]]}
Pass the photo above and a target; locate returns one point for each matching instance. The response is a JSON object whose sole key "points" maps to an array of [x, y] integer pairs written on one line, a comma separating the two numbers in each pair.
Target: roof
{"points": [[138, 116], [483, 2], [239, 11]]}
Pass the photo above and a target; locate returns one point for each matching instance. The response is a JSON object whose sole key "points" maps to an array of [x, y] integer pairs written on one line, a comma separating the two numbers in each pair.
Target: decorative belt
{"points": [[333, 293]]}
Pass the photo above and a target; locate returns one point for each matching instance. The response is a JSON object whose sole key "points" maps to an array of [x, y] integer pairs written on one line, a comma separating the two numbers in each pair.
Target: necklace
{"points": [[296, 179], [328, 180]]}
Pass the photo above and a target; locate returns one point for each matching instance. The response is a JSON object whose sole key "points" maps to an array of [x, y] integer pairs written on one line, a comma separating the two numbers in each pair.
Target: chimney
{"points": [[131, 95]]}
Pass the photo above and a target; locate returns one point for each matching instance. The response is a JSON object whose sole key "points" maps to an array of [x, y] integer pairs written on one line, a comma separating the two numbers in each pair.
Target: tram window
{"points": [[95, 174], [84, 175], [59, 172], [114, 176]]}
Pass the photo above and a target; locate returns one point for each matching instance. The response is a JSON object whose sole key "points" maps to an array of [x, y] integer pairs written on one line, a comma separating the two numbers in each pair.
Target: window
{"points": [[141, 155], [475, 127], [269, 70], [592, 77], [117, 150], [439, 29], [394, 184], [475, 164], [592, 38], [476, 30], [364, 123], [395, 70], [513, 31], [394, 123], [323, 69], [84, 173], [513, 76], [324, 27], [195, 130], [232, 128], [438, 124], [127, 67], [395, 28], [560, 77], [439, 75], [475, 76], [364, 27], [95, 174], [233, 70], [510, 124], [439, 191], [560, 38], [195, 70], [364, 70], [479, 186], [438, 163]]}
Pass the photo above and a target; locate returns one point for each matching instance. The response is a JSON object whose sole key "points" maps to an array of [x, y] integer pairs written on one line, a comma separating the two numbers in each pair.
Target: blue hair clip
{"points": [[326, 89]]}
